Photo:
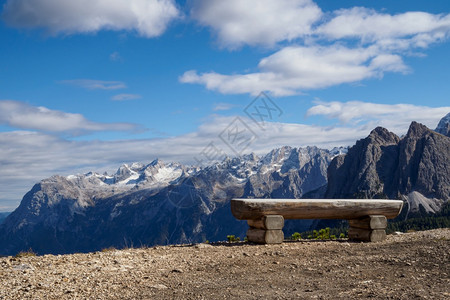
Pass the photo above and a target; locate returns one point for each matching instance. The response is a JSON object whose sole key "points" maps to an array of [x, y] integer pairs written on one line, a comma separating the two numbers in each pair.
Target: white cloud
{"points": [[319, 51], [297, 68], [27, 157], [410, 29], [256, 22], [395, 117], [21, 115], [149, 18], [91, 84], [124, 97], [223, 106]]}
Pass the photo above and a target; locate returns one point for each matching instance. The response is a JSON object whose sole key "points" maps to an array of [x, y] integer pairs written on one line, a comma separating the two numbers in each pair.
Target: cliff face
{"points": [[415, 168], [364, 171]]}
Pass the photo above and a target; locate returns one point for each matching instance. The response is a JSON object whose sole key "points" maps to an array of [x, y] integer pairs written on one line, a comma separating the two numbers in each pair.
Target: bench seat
{"points": [[367, 218]]}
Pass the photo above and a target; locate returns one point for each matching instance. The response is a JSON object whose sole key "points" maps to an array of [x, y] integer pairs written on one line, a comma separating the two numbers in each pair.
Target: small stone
{"points": [[177, 271], [23, 267], [202, 245], [159, 286]]}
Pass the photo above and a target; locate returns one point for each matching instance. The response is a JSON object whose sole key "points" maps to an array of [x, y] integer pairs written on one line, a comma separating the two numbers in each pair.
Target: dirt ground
{"points": [[407, 266]]}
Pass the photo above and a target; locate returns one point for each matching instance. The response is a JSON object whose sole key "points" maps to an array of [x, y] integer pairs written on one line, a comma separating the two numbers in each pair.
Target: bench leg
{"points": [[267, 230], [368, 229]]}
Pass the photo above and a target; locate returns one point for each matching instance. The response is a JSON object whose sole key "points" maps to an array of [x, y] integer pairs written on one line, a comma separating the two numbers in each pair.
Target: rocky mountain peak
{"points": [[382, 136], [417, 130], [443, 126], [382, 165]]}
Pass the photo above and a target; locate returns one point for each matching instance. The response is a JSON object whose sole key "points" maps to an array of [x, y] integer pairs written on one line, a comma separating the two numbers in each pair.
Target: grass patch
{"points": [[28, 253], [109, 249]]}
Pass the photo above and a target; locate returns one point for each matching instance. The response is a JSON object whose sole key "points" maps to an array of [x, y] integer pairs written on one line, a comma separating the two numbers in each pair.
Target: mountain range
{"points": [[168, 203], [157, 203]]}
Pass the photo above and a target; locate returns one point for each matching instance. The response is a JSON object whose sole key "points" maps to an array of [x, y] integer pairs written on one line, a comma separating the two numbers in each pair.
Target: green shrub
{"points": [[296, 236], [233, 238], [323, 234], [315, 234]]}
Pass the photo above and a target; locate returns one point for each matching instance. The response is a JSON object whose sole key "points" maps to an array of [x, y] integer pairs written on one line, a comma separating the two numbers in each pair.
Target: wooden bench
{"points": [[265, 217]]}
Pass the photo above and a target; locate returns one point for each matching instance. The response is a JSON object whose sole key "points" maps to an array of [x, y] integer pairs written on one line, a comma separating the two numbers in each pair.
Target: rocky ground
{"points": [[407, 266]]}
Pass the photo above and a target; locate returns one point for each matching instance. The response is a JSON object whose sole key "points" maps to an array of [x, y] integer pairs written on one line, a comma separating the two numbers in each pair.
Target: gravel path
{"points": [[408, 266]]}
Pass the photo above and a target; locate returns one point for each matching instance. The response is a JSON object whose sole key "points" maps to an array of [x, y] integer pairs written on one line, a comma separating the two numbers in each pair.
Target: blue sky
{"points": [[89, 85]]}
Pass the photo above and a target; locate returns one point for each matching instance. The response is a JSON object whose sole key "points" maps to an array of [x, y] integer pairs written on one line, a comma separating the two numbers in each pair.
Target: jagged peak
{"points": [[383, 135], [156, 162], [417, 130], [380, 131]]}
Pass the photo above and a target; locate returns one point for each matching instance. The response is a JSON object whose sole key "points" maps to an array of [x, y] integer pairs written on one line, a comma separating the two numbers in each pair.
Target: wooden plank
{"points": [[267, 222], [265, 236], [366, 235], [254, 209], [369, 222]]}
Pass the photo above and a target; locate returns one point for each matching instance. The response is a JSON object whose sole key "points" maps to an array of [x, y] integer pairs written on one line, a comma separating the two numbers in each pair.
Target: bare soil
{"points": [[407, 266]]}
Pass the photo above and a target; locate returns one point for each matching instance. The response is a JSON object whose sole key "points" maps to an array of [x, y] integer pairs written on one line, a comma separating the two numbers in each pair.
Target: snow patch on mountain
{"points": [[444, 125]]}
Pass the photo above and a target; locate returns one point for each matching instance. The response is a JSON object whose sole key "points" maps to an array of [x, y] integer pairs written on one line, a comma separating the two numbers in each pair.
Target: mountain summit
{"points": [[415, 168]]}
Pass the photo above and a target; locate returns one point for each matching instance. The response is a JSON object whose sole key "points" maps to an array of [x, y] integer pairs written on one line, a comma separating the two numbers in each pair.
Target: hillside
{"points": [[407, 266]]}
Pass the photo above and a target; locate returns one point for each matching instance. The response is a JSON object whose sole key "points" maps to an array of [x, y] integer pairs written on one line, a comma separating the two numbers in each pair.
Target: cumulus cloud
{"points": [[318, 50], [297, 68], [413, 29], [124, 97], [256, 22], [149, 18], [395, 117], [91, 84], [21, 115]]}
